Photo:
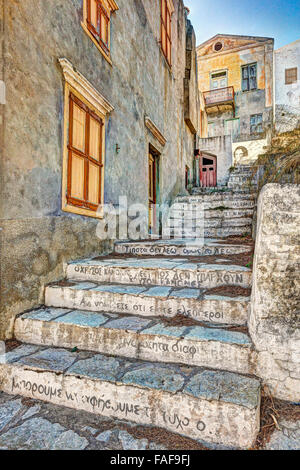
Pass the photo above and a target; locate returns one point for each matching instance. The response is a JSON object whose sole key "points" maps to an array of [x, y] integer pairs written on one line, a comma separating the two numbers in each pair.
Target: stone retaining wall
{"points": [[274, 319]]}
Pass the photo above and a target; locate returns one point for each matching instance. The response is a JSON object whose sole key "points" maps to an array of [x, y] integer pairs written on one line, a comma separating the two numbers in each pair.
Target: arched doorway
{"points": [[208, 170]]}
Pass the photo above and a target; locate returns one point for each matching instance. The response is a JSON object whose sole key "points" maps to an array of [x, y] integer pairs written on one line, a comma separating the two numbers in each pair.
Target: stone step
{"points": [[197, 304], [221, 213], [210, 247], [137, 337], [238, 178], [174, 272], [208, 223], [242, 184], [199, 205], [216, 407], [222, 232], [217, 196]]}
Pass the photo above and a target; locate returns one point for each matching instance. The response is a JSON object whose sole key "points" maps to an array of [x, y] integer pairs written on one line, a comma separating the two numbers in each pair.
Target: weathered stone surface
{"points": [[8, 411], [274, 320], [134, 337], [154, 301], [51, 359], [234, 388], [159, 271], [232, 423], [287, 438], [40, 434], [101, 433], [218, 222], [152, 376], [174, 247], [210, 232]]}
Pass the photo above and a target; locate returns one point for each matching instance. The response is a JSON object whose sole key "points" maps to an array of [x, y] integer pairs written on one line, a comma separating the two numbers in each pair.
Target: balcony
{"points": [[219, 100]]}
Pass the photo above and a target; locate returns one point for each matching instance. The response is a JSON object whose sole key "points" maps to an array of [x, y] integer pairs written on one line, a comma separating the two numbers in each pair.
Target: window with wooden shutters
{"points": [[96, 23], [291, 76], [84, 156], [249, 77], [166, 25]]}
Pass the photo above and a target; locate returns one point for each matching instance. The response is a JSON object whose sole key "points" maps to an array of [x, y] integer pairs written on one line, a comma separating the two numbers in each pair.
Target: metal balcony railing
{"points": [[219, 96]]}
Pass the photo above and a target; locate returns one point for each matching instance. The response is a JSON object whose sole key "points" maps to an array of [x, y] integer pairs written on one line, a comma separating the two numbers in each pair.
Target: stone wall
{"points": [[139, 83], [274, 320]]}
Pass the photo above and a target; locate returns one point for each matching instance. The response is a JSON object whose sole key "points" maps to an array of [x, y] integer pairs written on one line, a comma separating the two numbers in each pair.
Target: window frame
{"points": [[165, 25], [84, 203], [213, 77], [251, 125], [76, 83], [289, 81], [248, 78], [104, 8]]}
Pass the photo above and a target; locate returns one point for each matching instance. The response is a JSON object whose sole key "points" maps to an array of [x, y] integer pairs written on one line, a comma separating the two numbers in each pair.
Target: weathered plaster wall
{"points": [[287, 97], [221, 147], [253, 148], [274, 319], [138, 84], [236, 52]]}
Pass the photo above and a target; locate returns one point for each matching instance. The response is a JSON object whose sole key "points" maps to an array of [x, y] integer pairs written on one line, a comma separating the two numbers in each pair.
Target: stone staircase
{"points": [[155, 334], [243, 177]]}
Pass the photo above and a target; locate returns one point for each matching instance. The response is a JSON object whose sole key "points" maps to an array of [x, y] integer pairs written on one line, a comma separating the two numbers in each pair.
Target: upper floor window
{"points": [[256, 124], [218, 80], [167, 10], [249, 77], [291, 76], [97, 15]]}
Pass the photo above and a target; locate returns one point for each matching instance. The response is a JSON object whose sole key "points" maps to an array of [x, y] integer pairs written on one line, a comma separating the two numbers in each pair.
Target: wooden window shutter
{"points": [[291, 76], [166, 43], [85, 156], [98, 23]]}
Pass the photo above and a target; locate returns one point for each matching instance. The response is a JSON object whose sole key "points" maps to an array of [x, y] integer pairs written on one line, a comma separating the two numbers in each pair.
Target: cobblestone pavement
{"points": [[30, 424], [27, 424]]}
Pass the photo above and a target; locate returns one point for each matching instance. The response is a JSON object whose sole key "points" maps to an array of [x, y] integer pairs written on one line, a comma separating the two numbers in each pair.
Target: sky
{"points": [[278, 19]]}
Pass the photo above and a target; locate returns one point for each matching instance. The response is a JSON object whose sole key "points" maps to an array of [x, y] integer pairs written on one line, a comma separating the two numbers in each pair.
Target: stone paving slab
{"points": [[211, 247], [35, 425], [165, 396], [159, 271], [149, 301], [136, 337], [285, 438]]}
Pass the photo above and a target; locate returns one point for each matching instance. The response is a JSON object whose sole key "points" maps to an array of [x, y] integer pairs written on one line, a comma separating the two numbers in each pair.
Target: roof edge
{"points": [[235, 36]]}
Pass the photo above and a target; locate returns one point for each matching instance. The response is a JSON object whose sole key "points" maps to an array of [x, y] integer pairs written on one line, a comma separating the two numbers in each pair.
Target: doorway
{"points": [[153, 190], [208, 170]]}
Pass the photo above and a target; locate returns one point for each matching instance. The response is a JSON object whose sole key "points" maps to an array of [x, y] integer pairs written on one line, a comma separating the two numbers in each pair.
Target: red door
{"points": [[208, 171]]}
